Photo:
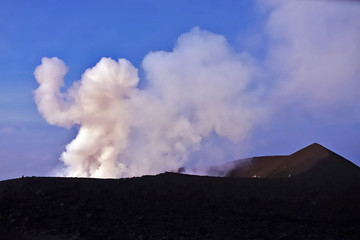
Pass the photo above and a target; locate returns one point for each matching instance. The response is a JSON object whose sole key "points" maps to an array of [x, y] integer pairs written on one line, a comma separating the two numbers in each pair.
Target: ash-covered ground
{"points": [[320, 203]]}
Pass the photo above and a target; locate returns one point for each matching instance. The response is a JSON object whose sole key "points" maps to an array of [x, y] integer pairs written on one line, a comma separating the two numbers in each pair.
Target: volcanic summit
{"points": [[311, 161]]}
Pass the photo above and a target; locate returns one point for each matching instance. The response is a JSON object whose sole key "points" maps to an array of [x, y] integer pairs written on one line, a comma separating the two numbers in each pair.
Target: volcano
{"points": [[311, 194], [310, 162]]}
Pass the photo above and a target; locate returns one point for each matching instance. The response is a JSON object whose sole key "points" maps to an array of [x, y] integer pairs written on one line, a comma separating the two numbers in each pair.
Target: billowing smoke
{"points": [[99, 104], [203, 88], [198, 89]]}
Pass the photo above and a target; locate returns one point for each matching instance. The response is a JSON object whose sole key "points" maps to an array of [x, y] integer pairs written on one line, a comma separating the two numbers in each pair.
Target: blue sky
{"points": [[82, 32]]}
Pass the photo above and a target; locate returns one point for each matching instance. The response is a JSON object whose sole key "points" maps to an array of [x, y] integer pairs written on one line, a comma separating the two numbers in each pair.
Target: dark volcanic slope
{"points": [[312, 161], [177, 206]]}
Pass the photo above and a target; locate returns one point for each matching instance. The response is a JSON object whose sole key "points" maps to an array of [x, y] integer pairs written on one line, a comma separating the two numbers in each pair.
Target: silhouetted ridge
{"points": [[323, 163], [320, 200], [311, 161]]}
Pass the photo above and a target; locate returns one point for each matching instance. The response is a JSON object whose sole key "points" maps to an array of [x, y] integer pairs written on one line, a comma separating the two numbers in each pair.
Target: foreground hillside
{"points": [[177, 206]]}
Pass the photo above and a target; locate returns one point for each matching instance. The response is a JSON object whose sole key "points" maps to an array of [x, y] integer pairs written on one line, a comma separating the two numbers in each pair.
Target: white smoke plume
{"points": [[98, 103], [314, 51], [204, 88], [197, 89]]}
